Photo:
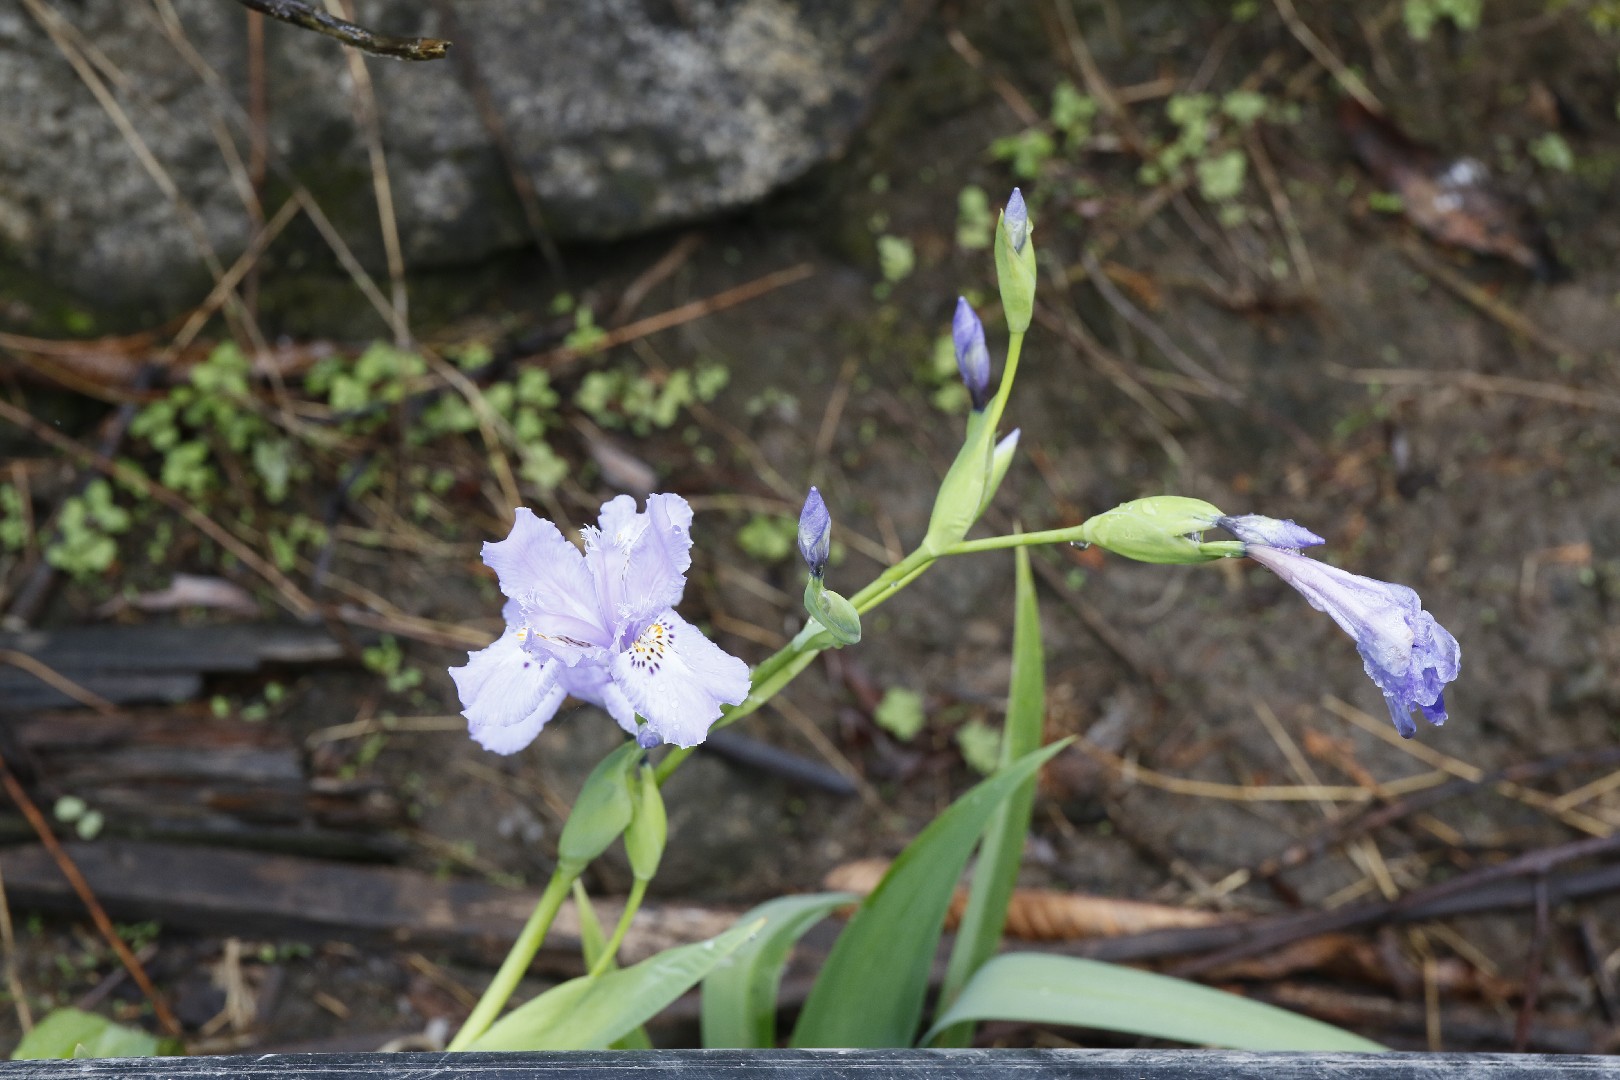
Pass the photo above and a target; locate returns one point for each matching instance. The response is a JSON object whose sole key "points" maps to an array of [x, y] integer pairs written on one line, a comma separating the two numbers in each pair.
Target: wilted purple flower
{"points": [[815, 533], [1409, 655], [600, 626], [1016, 217], [1259, 529], [972, 357]]}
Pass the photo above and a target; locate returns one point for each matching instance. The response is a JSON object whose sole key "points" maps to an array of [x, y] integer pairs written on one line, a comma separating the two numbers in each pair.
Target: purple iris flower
{"points": [[601, 626], [972, 356], [1409, 655]]}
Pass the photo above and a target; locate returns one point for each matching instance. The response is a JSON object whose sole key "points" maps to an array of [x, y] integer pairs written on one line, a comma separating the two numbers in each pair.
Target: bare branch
{"points": [[301, 14]]}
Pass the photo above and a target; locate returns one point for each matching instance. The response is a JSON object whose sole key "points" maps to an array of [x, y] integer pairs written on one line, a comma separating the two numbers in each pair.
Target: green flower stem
{"points": [[632, 904], [517, 961], [998, 404], [892, 580], [1073, 535]]}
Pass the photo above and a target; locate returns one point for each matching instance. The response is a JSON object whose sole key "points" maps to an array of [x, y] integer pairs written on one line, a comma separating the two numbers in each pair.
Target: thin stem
{"points": [[1075, 534], [891, 580], [301, 14], [632, 904], [517, 961], [998, 404]]}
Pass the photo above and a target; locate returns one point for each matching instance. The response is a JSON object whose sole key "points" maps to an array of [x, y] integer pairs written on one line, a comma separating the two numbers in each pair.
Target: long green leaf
{"points": [[73, 1033], [739, 996], [592, 943], [996, 872], [1042, 989], [590, 1014], [870, 992]]}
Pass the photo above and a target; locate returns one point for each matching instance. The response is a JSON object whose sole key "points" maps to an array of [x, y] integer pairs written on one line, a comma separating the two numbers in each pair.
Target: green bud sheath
{"points": [[1015, 273], [836, 614], [649, 827], [1001, 458], [602, 811], [1160, 529], [961, 493]]}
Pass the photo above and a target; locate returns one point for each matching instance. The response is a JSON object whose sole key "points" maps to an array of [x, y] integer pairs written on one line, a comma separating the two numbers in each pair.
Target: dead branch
{"points": [[302, 15], [98, 915]]}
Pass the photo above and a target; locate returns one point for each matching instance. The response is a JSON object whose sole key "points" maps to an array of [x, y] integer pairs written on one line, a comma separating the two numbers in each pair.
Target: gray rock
{"points": [[626, 114]]}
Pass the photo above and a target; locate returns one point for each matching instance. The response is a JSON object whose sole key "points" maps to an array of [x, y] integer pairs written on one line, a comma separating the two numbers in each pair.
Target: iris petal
{"points": [[638, 561], [677, 679], [507, 694], [547, 576], [593, 684], [1409, 655]]}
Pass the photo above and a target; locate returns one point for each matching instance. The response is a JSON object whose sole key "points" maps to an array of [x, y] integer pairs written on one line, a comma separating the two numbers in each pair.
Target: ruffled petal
{"points": [[592, 683], [507, 695], [677, 679], [639, 560], [547, 576]]}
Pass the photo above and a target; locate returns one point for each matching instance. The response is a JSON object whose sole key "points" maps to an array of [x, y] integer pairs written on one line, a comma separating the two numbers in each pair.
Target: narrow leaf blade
{"points": [[592, 944], [590, 1014], [739, 995], [69, 1033], [996, 873], [1042, 989], [870, 992]]}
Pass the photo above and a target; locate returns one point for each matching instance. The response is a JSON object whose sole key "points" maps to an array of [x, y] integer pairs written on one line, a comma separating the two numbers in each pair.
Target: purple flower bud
{"points": [[1017, 219], [1269, 532], [972, 357], [1409, 655], [647, 738], [815, 533]]}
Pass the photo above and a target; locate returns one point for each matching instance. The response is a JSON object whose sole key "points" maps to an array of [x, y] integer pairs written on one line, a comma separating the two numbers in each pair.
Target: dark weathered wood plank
{"points": [[126, 664], [222, 890], [184, 775], [231, 647], [836, 1065], [21, 692]]}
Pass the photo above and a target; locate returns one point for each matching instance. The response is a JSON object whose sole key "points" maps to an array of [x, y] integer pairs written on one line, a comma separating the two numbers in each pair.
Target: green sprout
{"points": [[768, 538], [84, 546], [900, 713], [386, 659]]}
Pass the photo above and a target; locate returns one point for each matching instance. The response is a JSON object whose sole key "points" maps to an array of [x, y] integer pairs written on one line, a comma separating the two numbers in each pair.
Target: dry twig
{"points": [[1539, 800], [1348, 80], [676, 316], [308, 18], [98, 915], [14, 986], [57, 681], [1487, 304]]}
